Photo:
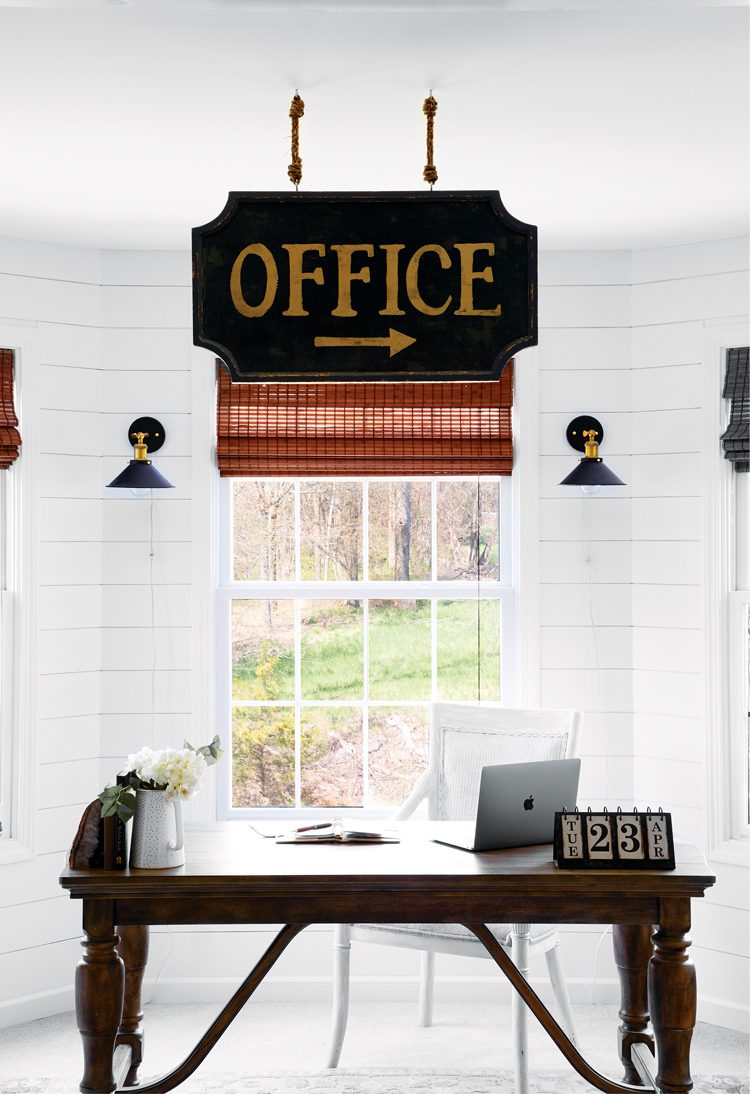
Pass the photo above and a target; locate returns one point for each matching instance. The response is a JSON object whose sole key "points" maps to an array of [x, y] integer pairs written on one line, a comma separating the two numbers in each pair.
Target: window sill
{"points": [[12, 850], [734, 852]]}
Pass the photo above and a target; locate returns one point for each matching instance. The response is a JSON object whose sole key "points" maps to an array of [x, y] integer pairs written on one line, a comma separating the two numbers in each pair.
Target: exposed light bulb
{"points": [[589, 491], [140, 492]]}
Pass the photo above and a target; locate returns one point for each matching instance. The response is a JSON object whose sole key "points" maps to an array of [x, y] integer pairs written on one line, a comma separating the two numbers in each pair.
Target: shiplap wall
{"points": [[115, 342], [681, 295], [50, 298]]}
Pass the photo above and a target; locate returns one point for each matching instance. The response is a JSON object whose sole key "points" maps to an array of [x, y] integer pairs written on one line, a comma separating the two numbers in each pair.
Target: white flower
{"points": [[178, 772], [140, 762]]}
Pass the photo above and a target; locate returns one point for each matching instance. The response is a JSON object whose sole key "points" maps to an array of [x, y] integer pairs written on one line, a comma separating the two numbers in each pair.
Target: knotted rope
{"points": [[429, 109], [296, 110]]}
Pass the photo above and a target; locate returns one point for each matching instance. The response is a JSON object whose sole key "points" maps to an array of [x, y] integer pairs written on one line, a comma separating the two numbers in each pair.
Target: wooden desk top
{"points": [[230, 859]]}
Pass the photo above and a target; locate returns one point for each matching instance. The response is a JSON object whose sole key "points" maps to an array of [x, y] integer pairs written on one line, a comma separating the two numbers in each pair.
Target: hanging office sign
{"points": [[342, 286]]}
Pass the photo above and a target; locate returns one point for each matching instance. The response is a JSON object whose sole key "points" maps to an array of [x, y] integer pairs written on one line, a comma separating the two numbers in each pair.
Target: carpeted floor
{"points": [[278, 1048], [395, 1081]]}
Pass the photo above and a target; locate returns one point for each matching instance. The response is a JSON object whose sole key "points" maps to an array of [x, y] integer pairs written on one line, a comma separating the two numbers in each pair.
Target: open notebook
{"points": [[335, 832]]}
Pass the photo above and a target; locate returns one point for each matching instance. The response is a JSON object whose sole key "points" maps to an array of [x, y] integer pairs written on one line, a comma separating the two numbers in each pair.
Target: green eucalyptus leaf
{"points": [[125, 811], [109, 808]]}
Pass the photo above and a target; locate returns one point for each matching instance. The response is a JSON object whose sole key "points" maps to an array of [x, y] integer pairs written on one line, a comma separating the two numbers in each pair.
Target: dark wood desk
{"points": [[232, 876]]}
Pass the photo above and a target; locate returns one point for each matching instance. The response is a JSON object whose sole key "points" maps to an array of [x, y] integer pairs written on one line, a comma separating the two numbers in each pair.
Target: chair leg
{"points": [[341, 951], [560, 988], [426, 987], [519, 1013]]}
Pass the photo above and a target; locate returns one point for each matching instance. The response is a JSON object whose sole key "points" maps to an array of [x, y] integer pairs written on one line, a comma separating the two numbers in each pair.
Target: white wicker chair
{"points": [[463, 738]]}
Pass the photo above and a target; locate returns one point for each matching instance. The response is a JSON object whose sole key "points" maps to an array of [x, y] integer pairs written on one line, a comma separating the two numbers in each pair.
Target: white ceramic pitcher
{"points": [[158, 839]]}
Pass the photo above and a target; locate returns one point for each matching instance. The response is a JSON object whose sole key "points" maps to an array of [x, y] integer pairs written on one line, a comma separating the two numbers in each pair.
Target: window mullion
{"points": [[297, 650], [365, 698], [297, 704]]}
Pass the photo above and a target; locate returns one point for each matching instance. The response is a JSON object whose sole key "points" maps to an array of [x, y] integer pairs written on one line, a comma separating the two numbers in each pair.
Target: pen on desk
{"points": [[313, 827]]}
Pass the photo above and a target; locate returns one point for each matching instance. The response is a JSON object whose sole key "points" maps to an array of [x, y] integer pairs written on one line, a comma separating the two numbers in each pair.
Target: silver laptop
{"points": [[517, 805]]}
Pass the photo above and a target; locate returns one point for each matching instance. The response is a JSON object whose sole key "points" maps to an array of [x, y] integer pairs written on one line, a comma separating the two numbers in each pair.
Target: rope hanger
{"points": [[296, 111], [429, 109]]}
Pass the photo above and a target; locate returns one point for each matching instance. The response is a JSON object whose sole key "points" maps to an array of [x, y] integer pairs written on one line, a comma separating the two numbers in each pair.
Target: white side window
{"points": [[739, 659], [6, 654]]}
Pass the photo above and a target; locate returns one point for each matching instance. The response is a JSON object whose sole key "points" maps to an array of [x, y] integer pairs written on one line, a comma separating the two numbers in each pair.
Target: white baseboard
{"points": [[318, 989], [719, 1012], [29, 1008]]}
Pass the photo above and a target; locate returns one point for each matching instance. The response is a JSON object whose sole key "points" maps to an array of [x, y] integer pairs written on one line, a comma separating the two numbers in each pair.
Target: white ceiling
{"points": [[609, 124]]}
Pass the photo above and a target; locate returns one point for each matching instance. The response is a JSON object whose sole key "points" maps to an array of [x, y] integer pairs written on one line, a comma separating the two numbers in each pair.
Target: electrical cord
{"points": [[597, 669]]}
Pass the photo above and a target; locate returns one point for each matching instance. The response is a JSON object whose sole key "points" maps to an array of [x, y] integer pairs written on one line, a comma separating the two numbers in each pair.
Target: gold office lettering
{"points": [[418, 283], [347, 275], [412, 278], [272, 281], [391, 278], [297, 275], [469, 275]]}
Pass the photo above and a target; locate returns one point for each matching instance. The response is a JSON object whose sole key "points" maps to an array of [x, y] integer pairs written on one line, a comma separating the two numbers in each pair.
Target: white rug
{"points": [[382, 1081]]}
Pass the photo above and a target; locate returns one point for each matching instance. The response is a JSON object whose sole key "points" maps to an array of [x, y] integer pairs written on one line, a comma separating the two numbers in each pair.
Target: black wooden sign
{"points": [[619, 841], [344, 286]]}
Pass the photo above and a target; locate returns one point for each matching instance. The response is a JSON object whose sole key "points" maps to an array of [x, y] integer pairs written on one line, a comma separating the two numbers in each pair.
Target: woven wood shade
{"points": [[10, 438], [736, 437], [329, 430]]}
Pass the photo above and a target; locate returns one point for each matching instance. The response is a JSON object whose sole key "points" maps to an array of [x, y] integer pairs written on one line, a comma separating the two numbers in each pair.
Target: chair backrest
{"points": [[463, 738]]}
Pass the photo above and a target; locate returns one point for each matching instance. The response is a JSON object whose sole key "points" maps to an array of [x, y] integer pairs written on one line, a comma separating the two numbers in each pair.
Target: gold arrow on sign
{"points": [[396, 341]]}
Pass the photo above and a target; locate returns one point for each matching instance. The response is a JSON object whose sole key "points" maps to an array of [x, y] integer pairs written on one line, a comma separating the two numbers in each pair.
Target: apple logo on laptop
{"points": [[529, 802]]}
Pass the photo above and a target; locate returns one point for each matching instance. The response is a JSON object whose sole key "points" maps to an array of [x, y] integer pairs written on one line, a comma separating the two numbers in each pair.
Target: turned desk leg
{"points": [[672, 992], [633, 949], [100, 983], [133, 950]]}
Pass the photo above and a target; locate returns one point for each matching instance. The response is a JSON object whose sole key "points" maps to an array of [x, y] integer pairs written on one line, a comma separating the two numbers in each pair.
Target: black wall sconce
{"points": [[585, 434], [146, 435]]}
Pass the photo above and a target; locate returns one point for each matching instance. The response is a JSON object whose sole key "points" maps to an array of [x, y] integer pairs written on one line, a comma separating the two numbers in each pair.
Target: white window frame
{"points": [[18, 613], [728, 836], [8, 689], [738, 608], [228, 590]]}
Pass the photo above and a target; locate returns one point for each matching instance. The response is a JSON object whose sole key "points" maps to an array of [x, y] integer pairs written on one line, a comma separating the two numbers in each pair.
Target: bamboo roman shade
{"points": [[10, 438], [736, 437], [299, 430]]}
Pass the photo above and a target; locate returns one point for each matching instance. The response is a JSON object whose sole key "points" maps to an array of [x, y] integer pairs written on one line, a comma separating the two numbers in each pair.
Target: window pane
{"points": [[262, 756], [262, 649], [397, 752], [458, 677], [331, 756], [400, 649], [399, 531], [263, 516], [331, 531], [457, 530], [332, 649]]}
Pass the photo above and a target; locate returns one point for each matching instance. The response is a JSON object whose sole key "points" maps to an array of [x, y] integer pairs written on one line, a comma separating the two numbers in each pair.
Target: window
{"points": [[728, 594], [6, 658], [739, 658], [10, 443], [345, 606]]}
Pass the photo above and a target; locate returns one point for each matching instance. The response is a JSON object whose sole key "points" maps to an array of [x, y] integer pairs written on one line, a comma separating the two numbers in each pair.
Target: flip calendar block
{"points": [[620, 841]]}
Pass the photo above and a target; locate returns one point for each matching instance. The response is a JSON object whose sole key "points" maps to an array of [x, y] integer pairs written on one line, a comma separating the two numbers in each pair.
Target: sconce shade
{"points": [[585, 434], [141, 475], [591, 472], [146, 435]]}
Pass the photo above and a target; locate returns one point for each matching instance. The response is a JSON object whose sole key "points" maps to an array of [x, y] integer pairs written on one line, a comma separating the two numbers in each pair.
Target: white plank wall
{"points": [[619, 588], [55, 293], [585, 543], [678, 295]]}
